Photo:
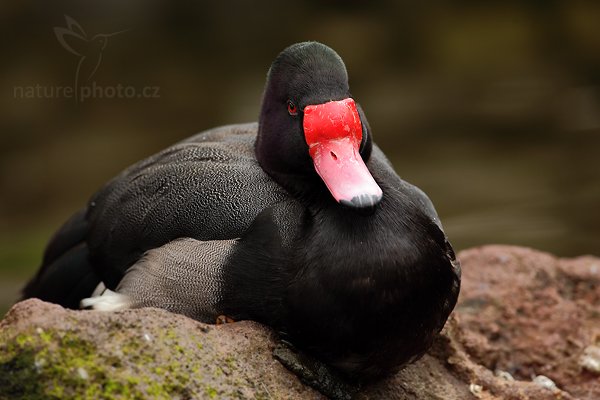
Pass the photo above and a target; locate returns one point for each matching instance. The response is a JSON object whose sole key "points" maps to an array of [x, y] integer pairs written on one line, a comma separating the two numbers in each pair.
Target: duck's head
{"points": [[309, 123]]}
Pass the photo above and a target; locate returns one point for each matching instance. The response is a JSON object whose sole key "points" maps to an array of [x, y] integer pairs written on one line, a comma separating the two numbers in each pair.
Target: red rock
{"points": [[530, 313]]}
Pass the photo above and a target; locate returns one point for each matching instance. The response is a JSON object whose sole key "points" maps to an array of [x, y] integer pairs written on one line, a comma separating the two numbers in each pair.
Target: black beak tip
{"points": [[363, 201]]}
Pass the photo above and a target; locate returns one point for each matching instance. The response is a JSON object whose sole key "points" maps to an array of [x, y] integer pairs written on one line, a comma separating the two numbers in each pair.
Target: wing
{"points": [[243, 278], [209, 187], [184, 276], [66, 274]]}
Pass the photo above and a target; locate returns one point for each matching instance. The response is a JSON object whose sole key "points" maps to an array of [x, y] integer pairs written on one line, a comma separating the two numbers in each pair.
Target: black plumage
{"points": [[236, 221]]}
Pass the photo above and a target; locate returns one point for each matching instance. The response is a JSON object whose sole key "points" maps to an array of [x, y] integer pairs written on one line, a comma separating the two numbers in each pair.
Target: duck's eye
{"points": [[292, 109]]}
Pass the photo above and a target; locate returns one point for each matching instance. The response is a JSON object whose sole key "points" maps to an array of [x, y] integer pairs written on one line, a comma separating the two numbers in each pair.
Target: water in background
{"points": [[492, 109]]}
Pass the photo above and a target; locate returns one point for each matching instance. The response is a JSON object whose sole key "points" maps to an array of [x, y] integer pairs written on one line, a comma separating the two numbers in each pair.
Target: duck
{"points": [[298, 222]]}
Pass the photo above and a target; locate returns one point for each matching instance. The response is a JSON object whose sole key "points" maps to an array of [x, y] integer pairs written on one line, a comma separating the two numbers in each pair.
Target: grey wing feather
{"points": [[184, 276]]}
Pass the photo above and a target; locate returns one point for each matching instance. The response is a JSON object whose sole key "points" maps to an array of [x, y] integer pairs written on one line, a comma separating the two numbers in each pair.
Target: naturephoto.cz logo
{"points": [[88, 50]]}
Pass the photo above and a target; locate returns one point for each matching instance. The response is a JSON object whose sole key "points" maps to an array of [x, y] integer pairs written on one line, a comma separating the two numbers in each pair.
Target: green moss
{"points": [[51, 364], [157, 391], [22, 340], [133, 380], [45, 336], [211, 392], [230, 361], [17, 377], [179, 348], [158, 370], [170, 335]]}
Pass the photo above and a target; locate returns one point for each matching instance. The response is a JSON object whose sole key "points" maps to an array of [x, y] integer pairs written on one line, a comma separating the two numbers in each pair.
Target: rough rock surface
{"points": [[529, 313], [521, 314]]}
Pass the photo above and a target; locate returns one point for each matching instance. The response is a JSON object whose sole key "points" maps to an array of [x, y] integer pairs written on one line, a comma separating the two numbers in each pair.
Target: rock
{"points": [[531, 314], [145, 353], [590, 360], [522, 314]]}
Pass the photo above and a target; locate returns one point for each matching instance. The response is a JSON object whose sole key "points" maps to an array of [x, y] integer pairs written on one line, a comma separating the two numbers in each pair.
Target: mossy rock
{"points": [[47, 352]]}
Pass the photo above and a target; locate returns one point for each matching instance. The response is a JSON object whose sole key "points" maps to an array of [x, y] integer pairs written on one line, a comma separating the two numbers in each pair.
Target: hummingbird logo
{"points": [[89, 49]]}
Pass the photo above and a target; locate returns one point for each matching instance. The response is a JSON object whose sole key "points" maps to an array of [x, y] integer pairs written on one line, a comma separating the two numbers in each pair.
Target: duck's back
{"points": [[207, 187]]}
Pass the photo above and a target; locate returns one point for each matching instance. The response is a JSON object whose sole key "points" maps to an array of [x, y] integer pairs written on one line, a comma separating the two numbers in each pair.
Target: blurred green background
{"points": [[491, 107]]}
